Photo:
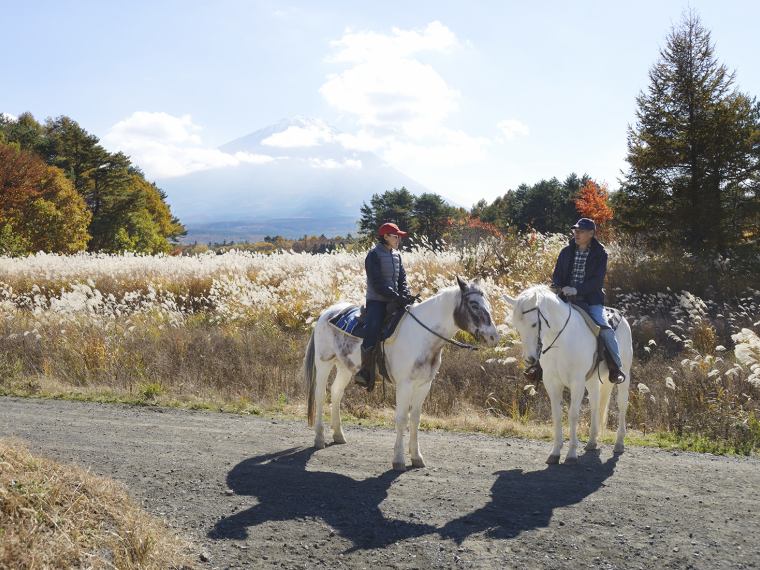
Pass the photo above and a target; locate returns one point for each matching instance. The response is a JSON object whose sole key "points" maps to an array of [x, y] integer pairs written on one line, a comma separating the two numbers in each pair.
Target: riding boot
{"points": [[616, 374], [366, 375]]}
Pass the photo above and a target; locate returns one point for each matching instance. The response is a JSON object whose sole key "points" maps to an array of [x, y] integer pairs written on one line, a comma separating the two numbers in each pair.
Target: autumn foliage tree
{"points": [[40, 210], [592, 202], [126, 211]]}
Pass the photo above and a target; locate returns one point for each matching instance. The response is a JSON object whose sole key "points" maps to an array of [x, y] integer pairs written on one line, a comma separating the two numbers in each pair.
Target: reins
{"points": [[427, 328], [541, 350], [449, 340]]}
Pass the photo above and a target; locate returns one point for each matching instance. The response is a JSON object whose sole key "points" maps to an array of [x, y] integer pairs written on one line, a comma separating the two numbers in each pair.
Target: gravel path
{"points": [[252, 493]]}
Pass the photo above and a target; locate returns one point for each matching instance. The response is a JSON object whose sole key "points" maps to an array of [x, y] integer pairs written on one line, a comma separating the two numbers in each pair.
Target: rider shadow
{"points": [[524, 501], [287, 491]]}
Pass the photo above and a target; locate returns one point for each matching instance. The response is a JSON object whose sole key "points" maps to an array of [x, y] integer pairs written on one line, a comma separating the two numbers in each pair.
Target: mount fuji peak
{"points": [[294, 169]]}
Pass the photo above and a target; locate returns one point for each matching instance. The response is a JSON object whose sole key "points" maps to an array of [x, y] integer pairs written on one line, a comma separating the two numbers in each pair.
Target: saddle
{"points": [[613, 318], [351, 321]]}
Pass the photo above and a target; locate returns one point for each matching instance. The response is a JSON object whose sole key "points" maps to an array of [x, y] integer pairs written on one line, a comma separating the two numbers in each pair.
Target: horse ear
{"points": [[462, 283], [509, 300]]}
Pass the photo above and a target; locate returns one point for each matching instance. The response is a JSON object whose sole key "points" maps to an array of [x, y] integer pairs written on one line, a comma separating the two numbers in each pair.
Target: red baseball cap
{"points": [[389, 228]]}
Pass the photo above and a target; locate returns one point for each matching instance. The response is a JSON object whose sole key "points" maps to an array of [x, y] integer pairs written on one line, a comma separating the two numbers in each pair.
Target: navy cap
{"points": [[584, 224]]}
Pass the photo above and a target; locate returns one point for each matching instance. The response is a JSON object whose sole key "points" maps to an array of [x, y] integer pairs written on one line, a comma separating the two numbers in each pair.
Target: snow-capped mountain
{"points": [[297, 169]]}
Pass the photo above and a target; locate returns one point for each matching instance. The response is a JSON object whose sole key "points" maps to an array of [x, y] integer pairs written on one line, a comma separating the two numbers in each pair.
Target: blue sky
{"points": [[468, 98]]}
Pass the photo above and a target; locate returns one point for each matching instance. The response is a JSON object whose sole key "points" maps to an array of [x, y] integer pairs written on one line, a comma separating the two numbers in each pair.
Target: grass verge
{"points": [[357, 412], [61, 516]]}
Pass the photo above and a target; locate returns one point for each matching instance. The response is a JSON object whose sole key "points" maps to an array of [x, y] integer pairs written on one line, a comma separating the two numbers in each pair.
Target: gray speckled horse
{"points": [[413, 358]]}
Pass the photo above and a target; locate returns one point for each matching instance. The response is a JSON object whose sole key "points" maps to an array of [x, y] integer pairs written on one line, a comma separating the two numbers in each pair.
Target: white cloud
{"points": [[512, 128], [356, 47], [384, 86], [294, 136], [332, 164], [9, 117], [165, 146], [400, 102]]}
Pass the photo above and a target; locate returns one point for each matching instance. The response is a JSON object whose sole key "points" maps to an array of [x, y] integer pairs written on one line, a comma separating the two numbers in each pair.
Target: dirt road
{"points": [[252, 493]]}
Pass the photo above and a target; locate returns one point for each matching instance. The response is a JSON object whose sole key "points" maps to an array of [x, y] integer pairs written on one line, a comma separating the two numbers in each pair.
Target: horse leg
{"points": [[554, 390], [605, 391], [593, 400], [342, 378], [622, 402], [418, 398], [403, 401], [573, 415], [323, 372]]}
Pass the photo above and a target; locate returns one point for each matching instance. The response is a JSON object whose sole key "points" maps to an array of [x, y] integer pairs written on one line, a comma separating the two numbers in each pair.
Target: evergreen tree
{"points": [[694, 152], [391, 206], [431, 214]]}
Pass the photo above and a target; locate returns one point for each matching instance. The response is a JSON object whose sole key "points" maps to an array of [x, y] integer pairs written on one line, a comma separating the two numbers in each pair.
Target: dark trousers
{"points": [[373, 320]]}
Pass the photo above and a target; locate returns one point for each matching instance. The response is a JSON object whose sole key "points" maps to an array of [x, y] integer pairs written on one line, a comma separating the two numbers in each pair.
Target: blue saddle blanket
{"points": [[349, 322]]}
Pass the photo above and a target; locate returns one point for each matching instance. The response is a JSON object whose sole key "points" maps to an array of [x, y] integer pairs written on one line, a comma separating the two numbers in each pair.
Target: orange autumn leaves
{"points": [[592, 202]]}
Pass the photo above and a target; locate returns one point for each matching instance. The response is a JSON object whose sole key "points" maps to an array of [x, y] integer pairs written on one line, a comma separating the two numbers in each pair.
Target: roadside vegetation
{"points": [[228, 332], [60, 516]]}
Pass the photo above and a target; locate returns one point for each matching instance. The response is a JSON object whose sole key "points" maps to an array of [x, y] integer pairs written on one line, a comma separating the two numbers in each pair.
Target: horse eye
{"points": [[533, 326]]}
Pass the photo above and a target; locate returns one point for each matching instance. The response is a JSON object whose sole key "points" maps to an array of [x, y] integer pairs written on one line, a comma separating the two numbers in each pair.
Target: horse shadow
{"points": [[286, 490], [522, 501]]}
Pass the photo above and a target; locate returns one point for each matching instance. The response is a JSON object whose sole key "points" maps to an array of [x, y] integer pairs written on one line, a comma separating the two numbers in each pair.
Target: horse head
{"points": [[473, 312], [531, 309]]}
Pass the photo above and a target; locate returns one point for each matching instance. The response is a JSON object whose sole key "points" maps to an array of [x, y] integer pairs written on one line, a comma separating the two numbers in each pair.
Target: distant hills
{"points": [[293, 178]]}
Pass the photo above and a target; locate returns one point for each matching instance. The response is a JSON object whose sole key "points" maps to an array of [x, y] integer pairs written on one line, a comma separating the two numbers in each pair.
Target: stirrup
{"points": [[617, 376]]}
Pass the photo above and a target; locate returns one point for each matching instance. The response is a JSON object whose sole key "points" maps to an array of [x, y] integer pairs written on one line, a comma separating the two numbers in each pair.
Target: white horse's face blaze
{"points": [[473, 313]]}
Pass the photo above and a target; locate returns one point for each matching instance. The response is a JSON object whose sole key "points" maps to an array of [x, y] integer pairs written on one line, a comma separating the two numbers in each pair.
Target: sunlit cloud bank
{"points": [[164, 145]]}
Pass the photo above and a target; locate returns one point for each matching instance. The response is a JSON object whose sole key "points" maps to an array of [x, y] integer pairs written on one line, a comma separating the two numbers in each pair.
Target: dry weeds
{"points": [[59, 516]]}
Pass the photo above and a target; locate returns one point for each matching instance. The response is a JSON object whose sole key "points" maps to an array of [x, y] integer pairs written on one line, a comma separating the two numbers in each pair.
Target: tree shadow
{"points": [[287, 491], [523, 501]]}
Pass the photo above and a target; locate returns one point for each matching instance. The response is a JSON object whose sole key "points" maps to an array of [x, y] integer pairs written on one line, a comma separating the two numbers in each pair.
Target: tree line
{"points": [[693, 177], [63, 192]]}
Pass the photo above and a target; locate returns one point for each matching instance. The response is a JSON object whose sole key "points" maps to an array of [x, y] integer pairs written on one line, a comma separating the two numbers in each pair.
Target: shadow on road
{"points": [[287, 491], [524, 501]]}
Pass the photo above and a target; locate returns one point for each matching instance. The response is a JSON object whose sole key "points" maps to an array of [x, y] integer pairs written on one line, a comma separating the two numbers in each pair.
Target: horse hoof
{"points": [[571, 460], [590, 446], [399, 466], [619, 449], [552, 460], [418, 463], [339, 439]]}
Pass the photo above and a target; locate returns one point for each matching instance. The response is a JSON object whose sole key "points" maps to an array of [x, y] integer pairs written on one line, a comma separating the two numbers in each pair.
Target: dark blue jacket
{"points": [[590, 290]]}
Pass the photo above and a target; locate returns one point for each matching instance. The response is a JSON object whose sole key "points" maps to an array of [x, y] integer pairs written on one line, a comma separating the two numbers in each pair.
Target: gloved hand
{"points": [[569, 291]]}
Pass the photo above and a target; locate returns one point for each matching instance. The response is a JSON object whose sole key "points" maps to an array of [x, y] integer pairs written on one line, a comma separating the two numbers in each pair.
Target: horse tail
{"points": [[309, 374]]}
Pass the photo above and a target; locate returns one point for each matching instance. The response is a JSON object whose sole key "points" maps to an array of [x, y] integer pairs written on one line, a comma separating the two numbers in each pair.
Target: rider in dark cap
{"points": [[579, 276]]}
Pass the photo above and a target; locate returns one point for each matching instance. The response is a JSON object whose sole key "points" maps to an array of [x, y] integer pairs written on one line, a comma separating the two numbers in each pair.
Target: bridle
{"points": [[450, 340], [539, 316]]}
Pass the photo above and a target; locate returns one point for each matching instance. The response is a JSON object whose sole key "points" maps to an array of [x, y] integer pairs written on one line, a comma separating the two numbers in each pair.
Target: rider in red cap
{"points": [[386, 284]]}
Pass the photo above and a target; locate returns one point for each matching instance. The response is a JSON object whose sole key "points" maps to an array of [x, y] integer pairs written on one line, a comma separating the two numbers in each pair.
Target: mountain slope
{"points": [[308, 174]]}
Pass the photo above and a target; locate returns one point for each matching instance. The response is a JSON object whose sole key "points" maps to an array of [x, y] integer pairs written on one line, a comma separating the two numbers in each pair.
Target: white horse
{"points": [[556, 335], [413, 359]]}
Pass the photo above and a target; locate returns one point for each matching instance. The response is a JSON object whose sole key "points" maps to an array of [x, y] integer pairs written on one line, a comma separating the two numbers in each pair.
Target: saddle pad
{"points": [[612, 316], [348, 321]]}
